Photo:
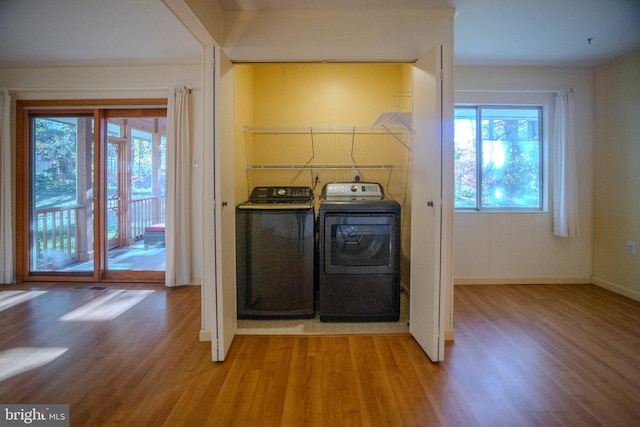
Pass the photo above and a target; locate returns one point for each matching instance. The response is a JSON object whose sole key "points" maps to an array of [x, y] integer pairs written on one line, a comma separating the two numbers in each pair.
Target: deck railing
{"points": [[144, 212], [59, 236]]}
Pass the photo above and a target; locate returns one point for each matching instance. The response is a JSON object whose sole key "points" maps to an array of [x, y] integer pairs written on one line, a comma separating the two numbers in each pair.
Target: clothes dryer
{"points": [[359, 254]]}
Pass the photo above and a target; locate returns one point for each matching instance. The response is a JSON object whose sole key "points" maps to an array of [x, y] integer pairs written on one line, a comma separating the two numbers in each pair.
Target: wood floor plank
{"points": [[524, 355], [365, 361]]}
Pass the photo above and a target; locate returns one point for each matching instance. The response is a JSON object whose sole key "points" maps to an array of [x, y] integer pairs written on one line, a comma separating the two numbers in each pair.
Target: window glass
{"points": [[498, 158], [62, 198], [141, 164], [466, 175]]}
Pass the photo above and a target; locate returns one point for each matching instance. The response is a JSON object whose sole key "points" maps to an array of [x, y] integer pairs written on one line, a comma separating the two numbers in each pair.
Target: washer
{"points": [[359, 254], [275, 250]]}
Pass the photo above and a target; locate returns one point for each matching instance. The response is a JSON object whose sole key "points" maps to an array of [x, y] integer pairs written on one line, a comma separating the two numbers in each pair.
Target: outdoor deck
{"points": [[134, 257]]}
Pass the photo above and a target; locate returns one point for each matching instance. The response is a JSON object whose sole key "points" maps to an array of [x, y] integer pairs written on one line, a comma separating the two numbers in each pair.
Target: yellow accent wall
{"points": [[332, 93], [294, 97], [243, 113], [321, 95]]}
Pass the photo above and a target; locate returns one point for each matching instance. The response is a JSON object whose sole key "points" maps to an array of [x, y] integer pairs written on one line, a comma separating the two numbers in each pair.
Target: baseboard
{"points": [[521, 280], [205, 335], [449, 335], [613, 287]]}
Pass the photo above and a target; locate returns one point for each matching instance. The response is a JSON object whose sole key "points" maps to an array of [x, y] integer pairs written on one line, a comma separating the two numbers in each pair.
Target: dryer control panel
{"points": [[353, 190]]}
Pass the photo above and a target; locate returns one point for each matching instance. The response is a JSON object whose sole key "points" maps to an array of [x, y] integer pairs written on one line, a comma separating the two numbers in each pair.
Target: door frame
{"points": [[25, 109], [111, 243], [219, 299]]}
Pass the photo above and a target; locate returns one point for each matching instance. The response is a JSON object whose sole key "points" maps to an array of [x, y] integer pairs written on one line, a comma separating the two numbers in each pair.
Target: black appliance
{"points": [[359, 254], [275, 249]]}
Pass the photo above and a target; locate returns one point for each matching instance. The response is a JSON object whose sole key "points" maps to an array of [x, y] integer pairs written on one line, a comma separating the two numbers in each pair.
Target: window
{"points": [[498, 158]]}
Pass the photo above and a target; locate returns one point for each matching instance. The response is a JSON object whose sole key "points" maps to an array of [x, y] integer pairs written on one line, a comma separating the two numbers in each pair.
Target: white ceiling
{"points": [[487, 32], [92, 32], [545, 32]]}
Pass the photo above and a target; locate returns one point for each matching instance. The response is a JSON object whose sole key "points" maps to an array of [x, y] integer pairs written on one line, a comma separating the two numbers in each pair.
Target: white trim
{"points": [[190, 21], [92, 89], [205, 335], [449, 334], [618, 289], [522, 280], [329, 13]]}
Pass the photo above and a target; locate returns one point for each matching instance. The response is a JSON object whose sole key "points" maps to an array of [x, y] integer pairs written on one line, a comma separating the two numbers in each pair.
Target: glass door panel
{"points": [[62, 195], [135, 193]]}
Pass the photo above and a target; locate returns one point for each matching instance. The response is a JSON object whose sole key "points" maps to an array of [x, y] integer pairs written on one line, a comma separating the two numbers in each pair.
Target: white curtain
{"points": [[178, 190], [6, 217], [565, 182]]}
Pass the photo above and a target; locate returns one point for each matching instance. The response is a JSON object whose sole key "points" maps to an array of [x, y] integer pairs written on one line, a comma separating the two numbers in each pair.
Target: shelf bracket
{"points": [[395, 136]]}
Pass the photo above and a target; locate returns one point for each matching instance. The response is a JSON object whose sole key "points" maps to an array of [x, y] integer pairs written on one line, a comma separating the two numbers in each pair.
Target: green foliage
{"points": [[141, 167], [513, 181], [56, 161], [509, 158]]}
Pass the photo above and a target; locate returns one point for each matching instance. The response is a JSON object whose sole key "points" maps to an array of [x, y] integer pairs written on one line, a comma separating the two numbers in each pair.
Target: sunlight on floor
{"points": [[108, 306], [10, 298], [18, 360]]}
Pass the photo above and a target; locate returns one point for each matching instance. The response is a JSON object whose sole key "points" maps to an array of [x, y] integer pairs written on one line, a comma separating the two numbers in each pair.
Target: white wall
{"points": [[617, 185], [343, 35], [118, 83], [520, 247]]}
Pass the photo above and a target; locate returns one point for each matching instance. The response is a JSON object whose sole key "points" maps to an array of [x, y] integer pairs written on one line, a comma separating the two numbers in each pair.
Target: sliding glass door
{"points": [[91, 193], [62, 194], [135, 191]]}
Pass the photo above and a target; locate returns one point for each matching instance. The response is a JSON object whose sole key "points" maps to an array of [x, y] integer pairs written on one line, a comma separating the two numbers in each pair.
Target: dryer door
{"points": [[360, 243]]}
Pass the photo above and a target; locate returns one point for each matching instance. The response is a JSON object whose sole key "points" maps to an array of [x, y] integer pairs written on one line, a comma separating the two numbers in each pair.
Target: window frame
{"points": [[542, 191]]}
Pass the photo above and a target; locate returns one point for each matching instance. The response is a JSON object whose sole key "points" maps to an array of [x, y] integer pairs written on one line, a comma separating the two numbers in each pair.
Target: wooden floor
{"points": [[526, 355]]}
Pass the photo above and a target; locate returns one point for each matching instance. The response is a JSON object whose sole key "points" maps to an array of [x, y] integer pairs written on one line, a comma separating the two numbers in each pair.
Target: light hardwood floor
{"points": [[525, 355]]}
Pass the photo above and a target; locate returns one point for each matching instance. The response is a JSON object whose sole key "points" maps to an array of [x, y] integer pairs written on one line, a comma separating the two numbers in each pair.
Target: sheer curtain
{"points": [[565, 182], [178, 190], [6, 217]]}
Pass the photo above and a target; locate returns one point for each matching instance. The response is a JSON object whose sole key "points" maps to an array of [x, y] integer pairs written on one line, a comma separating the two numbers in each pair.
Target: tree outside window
{"points": [[498, 152]]}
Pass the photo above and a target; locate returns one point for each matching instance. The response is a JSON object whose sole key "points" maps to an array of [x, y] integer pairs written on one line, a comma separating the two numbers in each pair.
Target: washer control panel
{"points": [[281, 195]]}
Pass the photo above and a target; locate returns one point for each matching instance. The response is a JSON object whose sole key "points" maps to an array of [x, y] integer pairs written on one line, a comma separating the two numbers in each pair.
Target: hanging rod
{"points": [[317, 129], [512, 91], [321, 166]]}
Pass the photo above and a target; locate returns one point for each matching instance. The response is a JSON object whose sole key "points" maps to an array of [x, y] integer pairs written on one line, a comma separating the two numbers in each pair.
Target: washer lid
{"points": [[353, 191]]}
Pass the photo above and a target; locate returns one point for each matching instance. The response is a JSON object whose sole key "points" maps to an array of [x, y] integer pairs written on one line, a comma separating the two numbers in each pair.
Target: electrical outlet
{"points": [[631, 247], [356, 175]]}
